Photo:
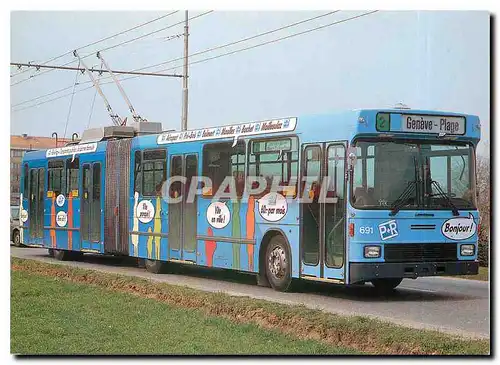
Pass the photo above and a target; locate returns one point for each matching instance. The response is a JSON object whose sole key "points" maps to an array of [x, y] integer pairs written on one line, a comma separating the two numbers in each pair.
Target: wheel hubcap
{"points": [[277, 262]]}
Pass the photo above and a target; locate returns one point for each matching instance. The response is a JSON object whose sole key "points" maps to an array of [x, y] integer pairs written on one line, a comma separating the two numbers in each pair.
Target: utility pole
{"points": [[185, 76]]}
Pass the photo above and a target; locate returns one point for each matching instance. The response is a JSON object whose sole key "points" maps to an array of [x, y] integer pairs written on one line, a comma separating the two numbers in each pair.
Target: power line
{"points": [[154, 32], [42, 96], [100, 71], [40, 74], [93, 101], [275, 40], [91, 109], [240, 41], [105, 39], [70, 104], [59, 97], [120, 44], [218, 56], [94, 70]]}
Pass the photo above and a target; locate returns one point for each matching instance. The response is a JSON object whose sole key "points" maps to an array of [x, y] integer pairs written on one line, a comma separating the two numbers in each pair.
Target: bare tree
{"points": [[483, 188]]}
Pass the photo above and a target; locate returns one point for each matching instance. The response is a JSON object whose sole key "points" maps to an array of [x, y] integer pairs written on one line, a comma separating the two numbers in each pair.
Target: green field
{"points": [[57, 309], [53, 317]]}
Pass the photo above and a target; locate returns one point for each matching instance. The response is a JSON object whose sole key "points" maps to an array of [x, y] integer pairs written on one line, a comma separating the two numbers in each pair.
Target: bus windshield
{"points": [[413, 175]]}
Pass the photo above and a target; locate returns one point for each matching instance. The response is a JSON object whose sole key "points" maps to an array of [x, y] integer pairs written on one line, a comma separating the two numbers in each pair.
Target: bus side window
{"points": [[275, 159], [154, 171], [72, 168], [55, 174], [138, 172], [312, 170], [26, 181], [364, 172], [221, 160]]}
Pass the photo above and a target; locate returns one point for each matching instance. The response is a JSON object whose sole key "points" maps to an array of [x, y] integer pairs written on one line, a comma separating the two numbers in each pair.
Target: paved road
{"points": [[446, 304]]}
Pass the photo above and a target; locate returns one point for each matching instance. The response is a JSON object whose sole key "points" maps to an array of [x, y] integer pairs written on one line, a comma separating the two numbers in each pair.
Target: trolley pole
{"points": [[185, 76]]}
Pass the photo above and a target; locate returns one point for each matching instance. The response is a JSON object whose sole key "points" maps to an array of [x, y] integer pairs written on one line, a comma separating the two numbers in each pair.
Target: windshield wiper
{"points": [[445, 197], [403, 197]]}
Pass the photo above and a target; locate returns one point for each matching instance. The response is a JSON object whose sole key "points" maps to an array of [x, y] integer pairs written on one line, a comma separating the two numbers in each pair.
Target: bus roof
{"points": [[342, 124]]}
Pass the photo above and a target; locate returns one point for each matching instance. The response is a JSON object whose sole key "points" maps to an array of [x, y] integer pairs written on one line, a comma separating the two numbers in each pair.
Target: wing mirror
{"points": [[352, 158]]}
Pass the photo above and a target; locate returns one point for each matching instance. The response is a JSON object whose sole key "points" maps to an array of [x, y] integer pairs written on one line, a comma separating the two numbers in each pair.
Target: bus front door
{"points": [[323, 211], [182, 211]]}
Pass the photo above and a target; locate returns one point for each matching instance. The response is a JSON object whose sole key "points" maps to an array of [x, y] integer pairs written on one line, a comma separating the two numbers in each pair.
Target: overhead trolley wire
{"points": [[240, 40], [274, 40], [71, 103], [121, 44], [88, 82], [233, 43], [221, 55], [93, 101], [153, 32], [104, 39]]}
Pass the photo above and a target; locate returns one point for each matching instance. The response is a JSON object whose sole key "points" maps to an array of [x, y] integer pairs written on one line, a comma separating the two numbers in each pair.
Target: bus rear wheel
{"points": [[387, 284], [154, 266], [278, 264], [62, 255], [75, 255], [16, 238]]}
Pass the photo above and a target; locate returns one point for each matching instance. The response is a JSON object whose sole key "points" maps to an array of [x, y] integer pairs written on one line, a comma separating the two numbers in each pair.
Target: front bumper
{"points": [[366, 271]]}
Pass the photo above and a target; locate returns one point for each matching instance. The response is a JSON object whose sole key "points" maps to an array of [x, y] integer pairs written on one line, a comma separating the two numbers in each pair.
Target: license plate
{"points": [[432, 124]]}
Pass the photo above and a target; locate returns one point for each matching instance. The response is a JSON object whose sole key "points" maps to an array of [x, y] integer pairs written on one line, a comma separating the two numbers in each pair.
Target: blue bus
{"points": [[370, 195]]}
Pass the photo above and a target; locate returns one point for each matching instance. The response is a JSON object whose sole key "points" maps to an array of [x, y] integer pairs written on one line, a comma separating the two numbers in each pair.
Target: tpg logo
{"points": [[388, 229]]}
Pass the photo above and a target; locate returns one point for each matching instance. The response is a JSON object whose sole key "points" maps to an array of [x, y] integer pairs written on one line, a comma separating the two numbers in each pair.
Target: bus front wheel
{"points": [[386, 285], [278, 264]]}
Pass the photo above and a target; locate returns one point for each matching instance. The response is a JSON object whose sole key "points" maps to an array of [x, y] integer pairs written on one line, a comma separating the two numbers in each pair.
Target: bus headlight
{"points": [[371, 252], [467, 250]]}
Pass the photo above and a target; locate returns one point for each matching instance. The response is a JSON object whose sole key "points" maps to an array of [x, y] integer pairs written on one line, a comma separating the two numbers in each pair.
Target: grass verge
{"points": [[482, 275], [359, 334], [54, 317]]}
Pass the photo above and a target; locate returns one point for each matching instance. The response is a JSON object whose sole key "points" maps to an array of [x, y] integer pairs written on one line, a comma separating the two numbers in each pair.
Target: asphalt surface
{"points": [[449, 305]]}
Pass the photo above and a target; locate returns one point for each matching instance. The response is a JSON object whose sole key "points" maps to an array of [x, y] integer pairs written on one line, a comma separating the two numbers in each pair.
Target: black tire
{"points": [[51, 252], [155, 266], [262, 280], [75, 255], [16, 238], [278, 264], [386, 285], [62, 255]]}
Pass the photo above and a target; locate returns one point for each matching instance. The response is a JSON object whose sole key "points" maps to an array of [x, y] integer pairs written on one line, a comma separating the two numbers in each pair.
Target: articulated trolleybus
{"points": [[348, 198]]}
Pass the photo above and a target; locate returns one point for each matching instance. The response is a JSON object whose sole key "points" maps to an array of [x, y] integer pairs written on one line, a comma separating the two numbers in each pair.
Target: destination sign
{"points": [[71, 150], [432, 124], [230, 131]]}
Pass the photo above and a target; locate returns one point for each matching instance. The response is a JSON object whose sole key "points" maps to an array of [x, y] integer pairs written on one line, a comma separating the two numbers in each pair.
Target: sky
{"points": [[424, 59]]}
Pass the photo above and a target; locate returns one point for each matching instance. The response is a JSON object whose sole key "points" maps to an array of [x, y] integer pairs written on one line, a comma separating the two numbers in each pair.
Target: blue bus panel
{"points": [[363, 195]]}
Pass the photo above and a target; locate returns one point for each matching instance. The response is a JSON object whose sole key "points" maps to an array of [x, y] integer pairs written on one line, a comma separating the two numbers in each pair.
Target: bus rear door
{"points": [[182, 213]]}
